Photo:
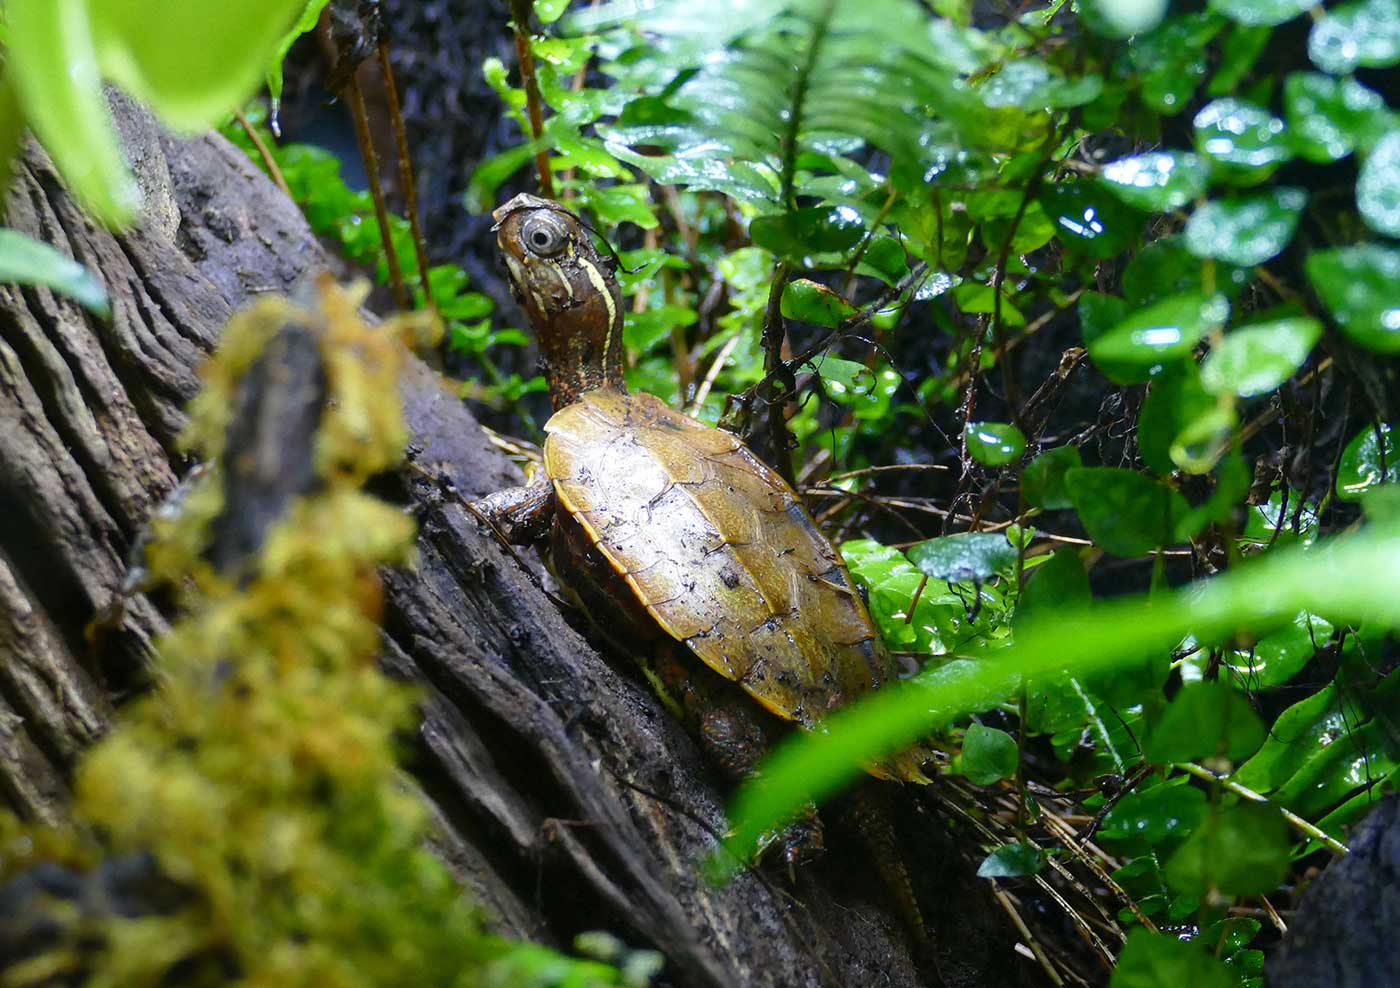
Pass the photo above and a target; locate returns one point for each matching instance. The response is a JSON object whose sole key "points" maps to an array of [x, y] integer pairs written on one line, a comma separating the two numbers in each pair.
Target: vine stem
{"points": [[406, 179], [1298, 823], [264, 152], [521, 11], [376, 188]]}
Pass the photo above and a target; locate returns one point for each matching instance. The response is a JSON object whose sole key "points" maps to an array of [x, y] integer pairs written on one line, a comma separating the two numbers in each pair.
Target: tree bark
{"points": [[566, 798]]}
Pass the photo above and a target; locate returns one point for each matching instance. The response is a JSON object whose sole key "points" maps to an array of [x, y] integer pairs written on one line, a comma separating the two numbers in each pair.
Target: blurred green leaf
{"points": [[966, 556], [1361, 33], [1175, 401], [26, 261], [1268, 12], [1157, 181], [1256, 359], [1012, 861], [1060, 584], [52, 61], [988, 755], [1124, 512], [1043, 480], [1247, 140], [1378, 186], [1329, 118], [1246, 230], [1238, 850], [1370, 459], [1205, 720], [1160, 960], [1165, 268], [1089, 219], [1357, 284], [810, 302], [994, 444]]}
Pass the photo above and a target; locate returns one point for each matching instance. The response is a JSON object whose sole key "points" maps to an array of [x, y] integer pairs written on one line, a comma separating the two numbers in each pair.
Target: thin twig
{"points": [[376, 188], [406, 179], [521, 12], [264, 152], [774, 367]]}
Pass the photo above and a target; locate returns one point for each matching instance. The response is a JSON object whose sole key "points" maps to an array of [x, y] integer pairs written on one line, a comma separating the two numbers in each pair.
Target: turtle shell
{"points": [[721, 553]]}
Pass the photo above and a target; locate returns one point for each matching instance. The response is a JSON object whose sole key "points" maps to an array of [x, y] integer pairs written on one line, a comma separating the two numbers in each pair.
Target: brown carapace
{"points": [[678, 540]]}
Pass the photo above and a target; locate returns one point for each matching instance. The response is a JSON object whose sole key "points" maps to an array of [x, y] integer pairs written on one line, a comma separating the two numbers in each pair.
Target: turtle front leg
{"points": [[520, 515]]}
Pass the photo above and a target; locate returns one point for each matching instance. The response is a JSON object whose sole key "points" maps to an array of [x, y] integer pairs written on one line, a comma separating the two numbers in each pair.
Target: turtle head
{"points": [[569, 292]]}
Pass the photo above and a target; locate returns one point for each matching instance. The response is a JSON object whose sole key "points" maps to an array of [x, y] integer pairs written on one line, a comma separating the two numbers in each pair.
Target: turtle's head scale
{"points": [[569, 292]]}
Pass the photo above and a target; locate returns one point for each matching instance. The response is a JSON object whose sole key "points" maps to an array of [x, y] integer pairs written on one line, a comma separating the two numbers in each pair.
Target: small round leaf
{"points": [[1256, 359], [1378, 187], [1159, 180], [1358, 286], [1371, 458], [994, 444], [989, 755], [1246, 230]]}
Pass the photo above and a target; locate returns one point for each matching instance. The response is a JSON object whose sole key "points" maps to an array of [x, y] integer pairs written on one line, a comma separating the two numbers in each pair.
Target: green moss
{"points": [[261, 774]]}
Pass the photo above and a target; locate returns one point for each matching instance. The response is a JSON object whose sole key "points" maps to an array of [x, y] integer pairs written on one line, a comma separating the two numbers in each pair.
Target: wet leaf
{"points": [[1371, 458], [1275, 658], [967, 556], [807, 301], [1116, 19], [26, 261], [1151, 338], [1087, 218], [1159, 960], [1245, 138], [1267, 12], [1246, 230], [1357, 284], [1124, 512], [1204, 720], [1043, 480], [1056, 585], [1378, 186], [988, 755], [1256, 359], [994, 444], [1365, 32], [811, 230], [1159, 180], [1165, 267], [1239, 850], [843, 376], [1012, 861], [1172, 809], [1329, 118]]}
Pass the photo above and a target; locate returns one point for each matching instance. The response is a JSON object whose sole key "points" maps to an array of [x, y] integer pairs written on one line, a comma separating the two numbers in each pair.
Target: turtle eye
{"points": [[544, 234]]}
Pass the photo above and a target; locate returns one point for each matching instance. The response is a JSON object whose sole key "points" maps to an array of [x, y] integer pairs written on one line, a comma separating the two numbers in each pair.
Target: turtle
{"points": [[679, 542]]}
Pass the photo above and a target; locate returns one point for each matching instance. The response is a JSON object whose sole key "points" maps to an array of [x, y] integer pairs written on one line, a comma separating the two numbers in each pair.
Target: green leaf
{"points": [[1266, 12], [1256, 359], [145, 47], [1245, 138], [1274, 659], [988, 755], [1204, 720], [1246, 230], [1149, 339], [812, 230], [1378, 186], [1124, 512], [1090, 220], [310, 14], [1329, 118], [1157, 181], [843, 376], [1058, 585], [994, 444], [52, 61], [1365, 32], [966, 556], [1350, 579], [1165, 267], [28, 262], [1371, 458], [807, 301], [1176, 401], [1116, 19], [1012, 861], [1160, 960], [1170, 810], [1357, 285], [1239, 850], [1043, 480]]}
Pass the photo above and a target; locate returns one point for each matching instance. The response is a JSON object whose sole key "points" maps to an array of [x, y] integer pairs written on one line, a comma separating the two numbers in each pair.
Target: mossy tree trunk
{"points": [[567, 798]]}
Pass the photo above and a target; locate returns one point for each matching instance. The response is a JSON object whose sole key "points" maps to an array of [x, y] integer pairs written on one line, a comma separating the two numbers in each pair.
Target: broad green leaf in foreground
{"points": [[1348, 580], [28, 262]]}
